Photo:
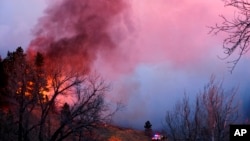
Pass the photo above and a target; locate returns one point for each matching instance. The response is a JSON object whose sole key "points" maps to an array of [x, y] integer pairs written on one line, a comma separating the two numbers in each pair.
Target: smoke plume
{"points": [[76, 32]]}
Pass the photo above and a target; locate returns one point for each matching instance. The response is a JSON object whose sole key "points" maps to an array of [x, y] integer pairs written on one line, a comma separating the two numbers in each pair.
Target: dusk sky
{"points": [[163, 50]]}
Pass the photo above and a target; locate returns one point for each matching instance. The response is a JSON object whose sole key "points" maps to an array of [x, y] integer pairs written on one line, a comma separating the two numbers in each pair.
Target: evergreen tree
{"points": [[148, 129], [31, 93], [25, 83]]}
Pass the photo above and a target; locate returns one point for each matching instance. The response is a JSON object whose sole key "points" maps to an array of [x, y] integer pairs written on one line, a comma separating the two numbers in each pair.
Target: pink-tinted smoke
{"points": [[75, 32], [166, 36], [80, 32]]}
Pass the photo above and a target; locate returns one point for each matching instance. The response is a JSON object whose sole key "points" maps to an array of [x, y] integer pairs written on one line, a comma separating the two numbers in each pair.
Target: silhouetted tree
{"points": [[237, 29], [23, 92], [148, 129], [147, 125], [18, 87], [35, 93], [88, 108], [209, 117]]}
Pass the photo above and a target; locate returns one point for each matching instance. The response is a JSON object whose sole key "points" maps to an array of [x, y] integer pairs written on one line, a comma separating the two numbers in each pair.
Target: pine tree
{"points": [[148, 129]]}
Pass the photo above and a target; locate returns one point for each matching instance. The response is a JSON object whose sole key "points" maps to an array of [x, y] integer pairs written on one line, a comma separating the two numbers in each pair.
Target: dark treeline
{"points": [[33, 105]]}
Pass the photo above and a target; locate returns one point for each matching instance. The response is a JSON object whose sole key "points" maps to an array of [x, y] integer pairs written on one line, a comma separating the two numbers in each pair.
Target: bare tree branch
{"points": [[207, 119], [38, 110], [238, 30]]}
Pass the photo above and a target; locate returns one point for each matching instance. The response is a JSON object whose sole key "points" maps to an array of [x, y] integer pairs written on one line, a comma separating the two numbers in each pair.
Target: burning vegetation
{"points": [[49, 93], [32, 97]]}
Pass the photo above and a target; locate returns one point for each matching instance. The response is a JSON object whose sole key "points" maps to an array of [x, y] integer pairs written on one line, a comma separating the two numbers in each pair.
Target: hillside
{"points": [[114, 133]]}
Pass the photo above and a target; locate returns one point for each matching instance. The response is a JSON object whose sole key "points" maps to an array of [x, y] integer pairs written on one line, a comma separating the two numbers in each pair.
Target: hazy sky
{"points": [[166, 51]]}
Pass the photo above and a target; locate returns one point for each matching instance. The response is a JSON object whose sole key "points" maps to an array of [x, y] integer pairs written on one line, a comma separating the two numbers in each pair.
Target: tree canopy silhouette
{"points": [[49, 102], [207, 118], [238, 30], [148, 129]]}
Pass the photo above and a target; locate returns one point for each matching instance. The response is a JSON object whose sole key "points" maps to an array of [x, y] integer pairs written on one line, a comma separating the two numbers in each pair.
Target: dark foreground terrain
{"points": [[115, 133]]}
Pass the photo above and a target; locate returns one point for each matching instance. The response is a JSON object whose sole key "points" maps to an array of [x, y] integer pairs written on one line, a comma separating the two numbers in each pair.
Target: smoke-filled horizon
{"points": [[151, 52]]}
